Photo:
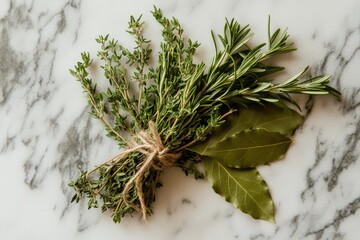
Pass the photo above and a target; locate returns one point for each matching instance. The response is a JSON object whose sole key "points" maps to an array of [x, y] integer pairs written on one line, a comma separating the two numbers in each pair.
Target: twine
{"points": [[155, 154]]}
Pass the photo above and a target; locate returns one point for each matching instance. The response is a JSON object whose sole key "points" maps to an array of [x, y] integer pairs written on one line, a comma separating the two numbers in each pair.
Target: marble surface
{"points": [[46, 133]]}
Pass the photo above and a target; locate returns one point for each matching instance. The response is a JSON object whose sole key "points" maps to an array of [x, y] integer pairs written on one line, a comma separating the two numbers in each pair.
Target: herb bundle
{"points": [[229, 116]]}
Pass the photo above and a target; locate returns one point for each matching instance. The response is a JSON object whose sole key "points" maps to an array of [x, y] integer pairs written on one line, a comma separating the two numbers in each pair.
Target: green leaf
{"points": [[267, 116], [250, 148], [244, 188]]}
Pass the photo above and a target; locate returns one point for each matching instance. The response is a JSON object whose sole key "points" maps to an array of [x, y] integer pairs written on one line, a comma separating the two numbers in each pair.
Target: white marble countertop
{"points": [[46, 133]]}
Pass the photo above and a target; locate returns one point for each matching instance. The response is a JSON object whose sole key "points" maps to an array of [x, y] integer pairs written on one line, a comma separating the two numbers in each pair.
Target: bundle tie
{"points": [[156, 155]]}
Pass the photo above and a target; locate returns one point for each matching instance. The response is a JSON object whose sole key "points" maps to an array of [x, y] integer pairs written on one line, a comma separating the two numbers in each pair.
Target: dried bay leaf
{"points": [[244, 188], [252, 136], [250, 148], [267, 116]]}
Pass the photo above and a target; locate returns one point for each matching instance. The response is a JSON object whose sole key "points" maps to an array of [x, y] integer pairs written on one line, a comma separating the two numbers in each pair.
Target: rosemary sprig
{"points": [[184, 99]]}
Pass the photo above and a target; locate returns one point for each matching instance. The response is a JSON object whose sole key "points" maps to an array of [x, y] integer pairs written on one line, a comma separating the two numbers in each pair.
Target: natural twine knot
{"points": [[156, 155]]}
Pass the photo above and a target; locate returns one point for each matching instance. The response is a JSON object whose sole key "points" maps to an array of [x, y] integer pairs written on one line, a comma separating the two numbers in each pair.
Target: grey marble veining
{"points": [[46, 133]]}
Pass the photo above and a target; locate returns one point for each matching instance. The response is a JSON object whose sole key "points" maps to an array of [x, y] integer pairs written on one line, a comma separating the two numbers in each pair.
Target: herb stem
{"points": [[102, 118]]}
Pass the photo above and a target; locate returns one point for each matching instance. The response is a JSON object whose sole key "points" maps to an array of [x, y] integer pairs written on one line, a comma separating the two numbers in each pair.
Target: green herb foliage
{"points": [[244, 188], [187, 101], [252, 136]]}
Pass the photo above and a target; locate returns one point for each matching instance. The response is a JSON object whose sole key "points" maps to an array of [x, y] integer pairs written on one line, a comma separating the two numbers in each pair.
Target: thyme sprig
{"points": [[184, 99]]}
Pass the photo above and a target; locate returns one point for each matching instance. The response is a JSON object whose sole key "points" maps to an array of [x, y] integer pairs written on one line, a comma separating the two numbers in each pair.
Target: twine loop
{"points": [[155, 155]]}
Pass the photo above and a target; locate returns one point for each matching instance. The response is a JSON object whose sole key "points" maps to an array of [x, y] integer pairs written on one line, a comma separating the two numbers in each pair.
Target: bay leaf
{"points": [[267, 116], [244, 188], [250, 148]]}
